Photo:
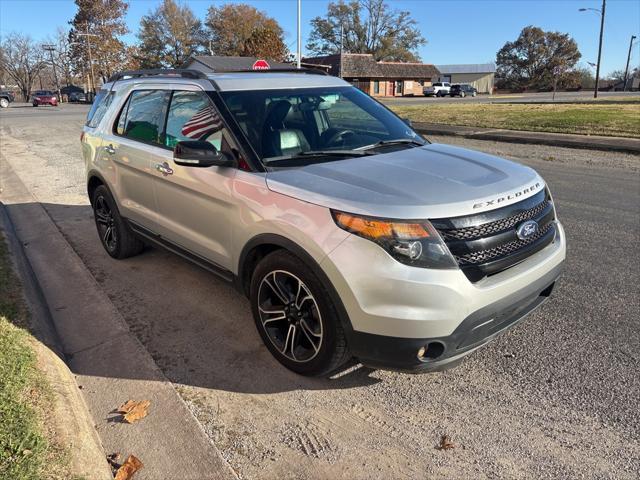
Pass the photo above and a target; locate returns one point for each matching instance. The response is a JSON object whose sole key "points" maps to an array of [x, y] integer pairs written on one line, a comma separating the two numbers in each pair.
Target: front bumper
{"points": [[442, 353], [395, 309]]}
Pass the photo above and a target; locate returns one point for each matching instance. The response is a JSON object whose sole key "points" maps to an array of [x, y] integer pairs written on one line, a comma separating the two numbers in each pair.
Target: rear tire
{"points": [[116, 236], [4, 103], [295, 316]]}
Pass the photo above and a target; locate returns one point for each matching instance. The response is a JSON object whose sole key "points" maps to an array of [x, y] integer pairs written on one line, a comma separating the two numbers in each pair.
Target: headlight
{"points": [[412, 243]]}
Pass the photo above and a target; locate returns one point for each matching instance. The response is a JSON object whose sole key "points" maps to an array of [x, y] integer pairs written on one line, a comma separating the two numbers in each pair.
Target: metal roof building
{"points": [[479, 75]]}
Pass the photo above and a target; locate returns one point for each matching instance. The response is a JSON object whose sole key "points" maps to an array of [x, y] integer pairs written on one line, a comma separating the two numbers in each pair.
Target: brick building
{"points": [[379, 79]]}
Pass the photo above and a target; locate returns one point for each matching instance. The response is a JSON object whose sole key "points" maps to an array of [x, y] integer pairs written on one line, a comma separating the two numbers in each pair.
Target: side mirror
{"points": [[407, 121], [195, 153]]}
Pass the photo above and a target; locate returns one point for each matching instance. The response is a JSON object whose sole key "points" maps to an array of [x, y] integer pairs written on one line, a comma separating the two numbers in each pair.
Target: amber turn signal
{"points": [[377, 229]]}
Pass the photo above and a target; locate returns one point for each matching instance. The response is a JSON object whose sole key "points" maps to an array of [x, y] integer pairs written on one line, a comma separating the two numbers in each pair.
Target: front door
{"points": [[194, 204]]}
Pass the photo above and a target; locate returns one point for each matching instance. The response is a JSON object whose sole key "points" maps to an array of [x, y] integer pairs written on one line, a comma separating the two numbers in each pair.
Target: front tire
{"points": [[295, 316], [4, 103], [115, 235]]}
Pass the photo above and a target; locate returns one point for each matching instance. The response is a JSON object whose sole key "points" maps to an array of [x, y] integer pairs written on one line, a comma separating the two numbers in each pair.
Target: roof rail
{"points": [[159, 72], [308, 71]]}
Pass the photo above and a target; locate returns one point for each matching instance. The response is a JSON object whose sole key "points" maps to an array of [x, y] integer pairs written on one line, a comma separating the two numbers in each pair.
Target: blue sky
{"points": [[468, 31]]}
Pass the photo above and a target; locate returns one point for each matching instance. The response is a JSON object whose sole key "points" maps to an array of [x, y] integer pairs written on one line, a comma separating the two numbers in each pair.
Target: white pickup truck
{"points": [[437, 89]]}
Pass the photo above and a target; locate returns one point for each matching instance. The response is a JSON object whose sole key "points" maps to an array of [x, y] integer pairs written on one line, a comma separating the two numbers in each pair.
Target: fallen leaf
{"points": [[133, 411], [445, 443], [128, 468]]}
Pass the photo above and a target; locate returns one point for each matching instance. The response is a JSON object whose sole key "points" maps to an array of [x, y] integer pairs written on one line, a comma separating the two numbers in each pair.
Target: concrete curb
{"points": [[107, 359], [72, 421], [588, 142]]}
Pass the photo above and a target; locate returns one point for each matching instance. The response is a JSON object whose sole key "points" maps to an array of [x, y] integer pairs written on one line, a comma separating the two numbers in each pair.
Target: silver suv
{"points": [[352, 236]]}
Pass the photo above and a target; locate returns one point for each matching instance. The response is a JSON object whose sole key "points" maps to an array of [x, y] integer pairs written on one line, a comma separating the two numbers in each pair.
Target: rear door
{"points": [[136, 132], [195, 204]]}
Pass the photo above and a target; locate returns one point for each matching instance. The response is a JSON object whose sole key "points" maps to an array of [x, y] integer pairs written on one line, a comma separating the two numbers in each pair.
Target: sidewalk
{"points": [[589, 142], [109, 363]]}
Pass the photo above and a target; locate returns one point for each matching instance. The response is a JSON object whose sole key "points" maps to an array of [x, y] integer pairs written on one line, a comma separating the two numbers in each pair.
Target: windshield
{"points": [[330, 121]]}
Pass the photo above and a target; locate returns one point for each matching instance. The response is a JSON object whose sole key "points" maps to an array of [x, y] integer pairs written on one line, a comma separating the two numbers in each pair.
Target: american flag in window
{"points": [[205, 122]]}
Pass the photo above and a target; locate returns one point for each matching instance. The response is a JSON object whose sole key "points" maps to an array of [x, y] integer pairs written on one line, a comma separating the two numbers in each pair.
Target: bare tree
{"points": [[23, 60], [62, 55]]}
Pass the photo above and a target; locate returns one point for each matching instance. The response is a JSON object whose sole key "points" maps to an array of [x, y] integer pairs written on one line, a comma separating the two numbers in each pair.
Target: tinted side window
{"points": [[146, 114], [99, 108], [192, 116]]}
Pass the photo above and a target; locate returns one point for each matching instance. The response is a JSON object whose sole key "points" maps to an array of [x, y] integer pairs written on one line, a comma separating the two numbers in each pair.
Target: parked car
{"points": [[351, 235], [77, 97], [437, 89], [44, 97], [6, 97], [462, 90]]}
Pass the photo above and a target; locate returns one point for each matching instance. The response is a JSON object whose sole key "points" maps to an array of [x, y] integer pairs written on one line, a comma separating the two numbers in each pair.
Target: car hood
{"points": [[433, 181]]}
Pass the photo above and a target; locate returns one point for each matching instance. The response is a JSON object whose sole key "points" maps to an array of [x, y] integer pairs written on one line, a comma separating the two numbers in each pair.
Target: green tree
{"points": [[368, 26], [105, 20], [169, 35], [531, 60], [238, 29]]}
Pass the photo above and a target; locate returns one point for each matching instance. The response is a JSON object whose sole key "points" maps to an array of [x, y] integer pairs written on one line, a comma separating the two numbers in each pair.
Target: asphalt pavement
{"points": [[556, 397]]}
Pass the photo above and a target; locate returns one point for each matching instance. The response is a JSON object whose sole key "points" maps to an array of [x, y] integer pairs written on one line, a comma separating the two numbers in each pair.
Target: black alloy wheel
{"points": [[116, 236], [290, 316], [105, 222], [296, 315]]}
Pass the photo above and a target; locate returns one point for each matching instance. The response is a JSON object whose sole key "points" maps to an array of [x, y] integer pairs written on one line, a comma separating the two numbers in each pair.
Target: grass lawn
{"points": [[601, 118], [28, 450]]}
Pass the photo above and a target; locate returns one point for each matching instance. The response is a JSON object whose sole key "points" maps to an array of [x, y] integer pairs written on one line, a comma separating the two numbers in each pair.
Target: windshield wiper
{"points": [[397, 141], [318, 153]]}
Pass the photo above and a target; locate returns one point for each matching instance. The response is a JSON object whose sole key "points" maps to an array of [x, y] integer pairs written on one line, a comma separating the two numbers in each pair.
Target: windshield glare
{"points": [[287, 123]]}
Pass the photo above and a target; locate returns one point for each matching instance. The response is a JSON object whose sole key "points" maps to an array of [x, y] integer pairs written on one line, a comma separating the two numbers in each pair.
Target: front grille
{"points": [[502, 250], [486, 243], [490, 228]]}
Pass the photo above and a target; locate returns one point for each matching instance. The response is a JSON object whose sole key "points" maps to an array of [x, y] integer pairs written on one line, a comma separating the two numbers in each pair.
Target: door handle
{"points": [[164, 169], [109, 149]]}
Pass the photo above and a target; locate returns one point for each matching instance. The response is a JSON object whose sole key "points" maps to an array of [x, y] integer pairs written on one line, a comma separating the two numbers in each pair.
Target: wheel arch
{"points": [[94, 180], [262, 245]]}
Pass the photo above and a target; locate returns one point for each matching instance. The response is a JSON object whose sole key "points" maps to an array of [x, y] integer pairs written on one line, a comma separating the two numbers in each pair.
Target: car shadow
{"points": [[197, 327]]}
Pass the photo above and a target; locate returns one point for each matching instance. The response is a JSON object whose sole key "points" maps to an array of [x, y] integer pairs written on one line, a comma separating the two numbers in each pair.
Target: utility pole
{"points": [[604, 5], [341, 46], [601, 11], [51, 49], [299, 36], [87, 34], [626, 69]]}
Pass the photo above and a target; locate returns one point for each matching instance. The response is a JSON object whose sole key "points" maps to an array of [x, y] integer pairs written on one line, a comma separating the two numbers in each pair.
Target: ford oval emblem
{"points": [[527, 229]]}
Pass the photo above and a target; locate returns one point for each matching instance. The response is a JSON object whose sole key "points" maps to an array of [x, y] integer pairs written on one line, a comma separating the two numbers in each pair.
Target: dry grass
{"points": [[601, 118], [28, 447]]}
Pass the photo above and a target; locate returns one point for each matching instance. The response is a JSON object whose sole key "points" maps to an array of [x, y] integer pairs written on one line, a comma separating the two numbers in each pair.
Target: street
{"points": [[528, 97], [555, 397]]}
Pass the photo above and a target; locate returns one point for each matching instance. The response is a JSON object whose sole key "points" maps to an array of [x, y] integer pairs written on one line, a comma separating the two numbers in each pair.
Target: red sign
{"points": [[261, 65]]}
